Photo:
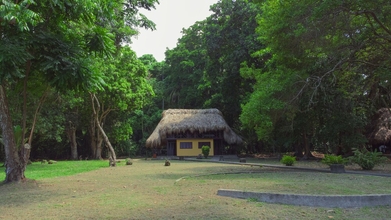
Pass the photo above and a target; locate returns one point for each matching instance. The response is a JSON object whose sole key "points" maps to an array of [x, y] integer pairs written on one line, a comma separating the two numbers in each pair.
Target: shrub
{"points": [[367, 160], [205, 151], [128, 161], [167, 163], [288, 160], [333, 159]]}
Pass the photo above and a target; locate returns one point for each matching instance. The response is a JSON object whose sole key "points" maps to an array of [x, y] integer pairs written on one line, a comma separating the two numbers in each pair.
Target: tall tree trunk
{"points": [[96, 139], [298, 150], [14, 166], [92, 137], [71, 133], [307, 150], [25, 151], [98, 145]]}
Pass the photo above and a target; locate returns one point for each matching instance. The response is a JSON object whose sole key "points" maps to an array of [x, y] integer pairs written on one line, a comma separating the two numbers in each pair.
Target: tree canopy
{"points": [[327, 70], [287, 75], [57, 41]]}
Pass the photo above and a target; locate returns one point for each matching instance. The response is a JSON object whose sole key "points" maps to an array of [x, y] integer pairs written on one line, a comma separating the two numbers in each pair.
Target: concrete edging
{"points": [[329, 201]]}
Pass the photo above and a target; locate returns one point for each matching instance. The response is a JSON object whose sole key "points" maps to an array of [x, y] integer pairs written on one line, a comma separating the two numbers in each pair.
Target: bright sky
{"points": [[170, 17]]}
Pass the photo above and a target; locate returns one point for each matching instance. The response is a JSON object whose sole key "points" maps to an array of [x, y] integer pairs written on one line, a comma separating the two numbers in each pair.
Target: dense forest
{"points": [[289, 75]]}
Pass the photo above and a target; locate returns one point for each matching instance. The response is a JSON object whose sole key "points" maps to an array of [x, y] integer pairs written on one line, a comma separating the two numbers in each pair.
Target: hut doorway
{"points": [[218, 147], [171, 148]]}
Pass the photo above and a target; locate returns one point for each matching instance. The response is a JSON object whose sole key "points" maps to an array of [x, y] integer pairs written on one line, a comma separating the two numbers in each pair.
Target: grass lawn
{"points": [[38, 171], [184, 190]]}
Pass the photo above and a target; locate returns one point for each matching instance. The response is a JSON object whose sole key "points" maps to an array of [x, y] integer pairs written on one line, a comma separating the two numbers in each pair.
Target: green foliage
{"points": [[12, 56], [205, 151], [125, 92], [60, 46], [330, 159], [230, 40], [203, 71], [288, 160], [143, 123], [126, 148], [367, 160], [19, 14], [316, 70], [261, 110], [185, 69]]}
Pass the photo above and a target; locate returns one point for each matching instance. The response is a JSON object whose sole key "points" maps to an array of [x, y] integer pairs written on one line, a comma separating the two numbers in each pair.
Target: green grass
{"points": [[298, 182], [150, 190], [39, 171]]}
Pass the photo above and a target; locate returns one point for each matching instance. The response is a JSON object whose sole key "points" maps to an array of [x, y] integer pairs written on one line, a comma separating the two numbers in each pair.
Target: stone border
{"points": [[329, 201]]}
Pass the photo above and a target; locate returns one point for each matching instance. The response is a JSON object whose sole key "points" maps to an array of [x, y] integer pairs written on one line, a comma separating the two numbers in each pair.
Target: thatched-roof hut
{"points": [[380, 133], [191, 125]]}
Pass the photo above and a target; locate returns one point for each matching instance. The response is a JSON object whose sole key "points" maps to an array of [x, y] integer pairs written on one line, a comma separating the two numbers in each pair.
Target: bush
{"points": [[288, 160], [167, 163], [128, 161], [367, 160], [333, 159], [205, 151]]}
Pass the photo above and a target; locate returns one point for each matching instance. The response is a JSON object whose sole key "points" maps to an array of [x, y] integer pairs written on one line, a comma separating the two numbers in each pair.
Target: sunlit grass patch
{"points": [[38, 170], [296, 183]]}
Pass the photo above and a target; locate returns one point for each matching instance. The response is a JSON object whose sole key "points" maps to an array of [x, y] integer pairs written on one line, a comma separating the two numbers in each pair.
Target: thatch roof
{"points": [[381, 127], [175, 121]]}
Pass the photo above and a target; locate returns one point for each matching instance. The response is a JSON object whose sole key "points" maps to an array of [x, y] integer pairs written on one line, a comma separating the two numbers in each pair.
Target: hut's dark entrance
{"points": [[171, 148], [218, 147]]}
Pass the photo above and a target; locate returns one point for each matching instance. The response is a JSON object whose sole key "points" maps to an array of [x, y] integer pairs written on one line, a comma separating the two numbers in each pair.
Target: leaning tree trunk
{"points": [[112, 157], [27, 147], [14, 166]]}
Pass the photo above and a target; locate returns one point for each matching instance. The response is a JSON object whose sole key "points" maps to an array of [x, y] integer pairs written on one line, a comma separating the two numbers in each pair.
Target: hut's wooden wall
{"points": [[194, 151]]}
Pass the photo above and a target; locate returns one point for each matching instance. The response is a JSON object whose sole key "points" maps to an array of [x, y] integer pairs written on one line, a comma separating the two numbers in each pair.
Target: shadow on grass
{"points": [[23, 193]]}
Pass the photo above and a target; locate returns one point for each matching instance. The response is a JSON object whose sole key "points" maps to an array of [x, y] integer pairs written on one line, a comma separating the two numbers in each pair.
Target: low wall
{"points": [[331, 201]]}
